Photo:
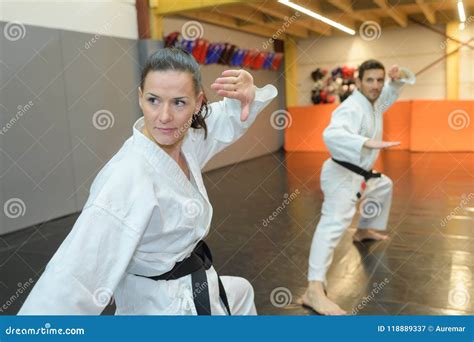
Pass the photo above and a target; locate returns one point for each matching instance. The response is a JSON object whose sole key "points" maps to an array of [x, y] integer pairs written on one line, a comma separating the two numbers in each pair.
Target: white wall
{"points": [[413, 47], [261, 138], [466, 87], [117, 18]]}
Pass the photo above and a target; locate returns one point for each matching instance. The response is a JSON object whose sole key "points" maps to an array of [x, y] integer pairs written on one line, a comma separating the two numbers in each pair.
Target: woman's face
{"points": [[168, 101]]}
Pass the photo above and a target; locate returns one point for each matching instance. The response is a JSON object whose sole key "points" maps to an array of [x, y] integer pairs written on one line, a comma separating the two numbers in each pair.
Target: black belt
{"points": [[196, 264], [360, 171]]}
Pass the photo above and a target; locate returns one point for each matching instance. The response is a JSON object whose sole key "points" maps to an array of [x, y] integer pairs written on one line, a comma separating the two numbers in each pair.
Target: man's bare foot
{"points": [[368, 234], [316, 299]]}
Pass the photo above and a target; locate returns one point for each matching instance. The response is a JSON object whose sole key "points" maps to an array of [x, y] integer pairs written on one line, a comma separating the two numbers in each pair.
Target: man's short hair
{"points": [[368, 65]]}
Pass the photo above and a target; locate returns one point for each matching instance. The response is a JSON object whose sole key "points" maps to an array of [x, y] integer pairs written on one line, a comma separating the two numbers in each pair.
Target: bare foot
{"points": [[368, 234], [316, 299]]}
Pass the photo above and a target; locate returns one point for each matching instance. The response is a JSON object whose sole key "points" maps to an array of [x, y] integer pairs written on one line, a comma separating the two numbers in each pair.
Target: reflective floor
{"points": [[265, 213]]}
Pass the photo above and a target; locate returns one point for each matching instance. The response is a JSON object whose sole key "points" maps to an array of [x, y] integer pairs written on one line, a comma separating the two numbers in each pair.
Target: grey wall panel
{"points": [[81, 94], [101, 91], [37, 178], [3, 116], [146, 47], [261, 138]]}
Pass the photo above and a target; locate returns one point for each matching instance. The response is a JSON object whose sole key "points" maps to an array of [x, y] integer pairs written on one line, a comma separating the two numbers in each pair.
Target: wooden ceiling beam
{"points": [[250, 17], [316, 27], [282, 12], [397, 15], [346, 7], [345, 19], [229, 22], [167, 7], [427, 10]]}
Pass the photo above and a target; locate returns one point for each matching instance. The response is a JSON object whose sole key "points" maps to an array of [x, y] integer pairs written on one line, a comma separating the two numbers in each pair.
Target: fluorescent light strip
{"points": [[462, 14], [317, 16]]}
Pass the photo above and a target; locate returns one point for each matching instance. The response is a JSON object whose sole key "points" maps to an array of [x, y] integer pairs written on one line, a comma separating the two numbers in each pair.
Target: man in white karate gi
{"points": [[354, 139]]}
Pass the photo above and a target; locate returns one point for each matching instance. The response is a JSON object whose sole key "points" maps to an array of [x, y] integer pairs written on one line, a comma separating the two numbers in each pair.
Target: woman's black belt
{"points": [[196, 264]]}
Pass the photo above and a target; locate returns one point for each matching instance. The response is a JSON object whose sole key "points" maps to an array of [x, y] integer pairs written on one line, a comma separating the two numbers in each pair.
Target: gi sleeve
{"points": [[224, 125], [392, 89], [83, 274], [342, 135]]}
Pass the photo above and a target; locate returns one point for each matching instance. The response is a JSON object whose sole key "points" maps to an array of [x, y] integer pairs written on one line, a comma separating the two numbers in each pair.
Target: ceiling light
{"points": [[317, 16], [462, 14]]}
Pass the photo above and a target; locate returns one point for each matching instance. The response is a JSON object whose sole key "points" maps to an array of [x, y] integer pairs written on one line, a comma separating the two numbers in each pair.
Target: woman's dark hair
{"points": [[177, 59], [368, 65]]}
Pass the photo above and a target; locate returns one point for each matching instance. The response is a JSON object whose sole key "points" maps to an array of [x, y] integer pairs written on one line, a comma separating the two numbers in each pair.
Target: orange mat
{"points": [[441, 126], [420, 125]]}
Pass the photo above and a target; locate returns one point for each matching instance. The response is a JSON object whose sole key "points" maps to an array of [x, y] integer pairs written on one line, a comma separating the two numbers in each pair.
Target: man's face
{"points": [[371, 84]]}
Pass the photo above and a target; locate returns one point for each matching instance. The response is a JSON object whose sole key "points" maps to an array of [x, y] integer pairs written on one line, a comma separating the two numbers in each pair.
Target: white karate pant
{"points": [[340, 187], [240, 296], [142, 296]]}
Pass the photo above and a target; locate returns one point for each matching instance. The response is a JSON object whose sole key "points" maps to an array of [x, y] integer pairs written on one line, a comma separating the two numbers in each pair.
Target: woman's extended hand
{"points": [[236, 84]]}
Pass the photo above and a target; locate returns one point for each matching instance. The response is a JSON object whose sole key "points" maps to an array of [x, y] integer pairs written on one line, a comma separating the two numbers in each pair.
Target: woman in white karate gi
{"points": [[148, 209], [354, 139]]}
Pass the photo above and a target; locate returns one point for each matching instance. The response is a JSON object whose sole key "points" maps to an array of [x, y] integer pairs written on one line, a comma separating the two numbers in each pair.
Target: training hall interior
{"points": [[69, 78]]}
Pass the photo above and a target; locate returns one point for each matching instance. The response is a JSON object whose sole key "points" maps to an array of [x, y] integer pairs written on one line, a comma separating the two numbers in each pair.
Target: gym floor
{"points": [[425, 268]]}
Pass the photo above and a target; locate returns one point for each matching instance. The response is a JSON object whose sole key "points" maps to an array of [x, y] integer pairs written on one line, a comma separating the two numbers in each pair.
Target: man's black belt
{"points": [[360, 171], [196, 264]]}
